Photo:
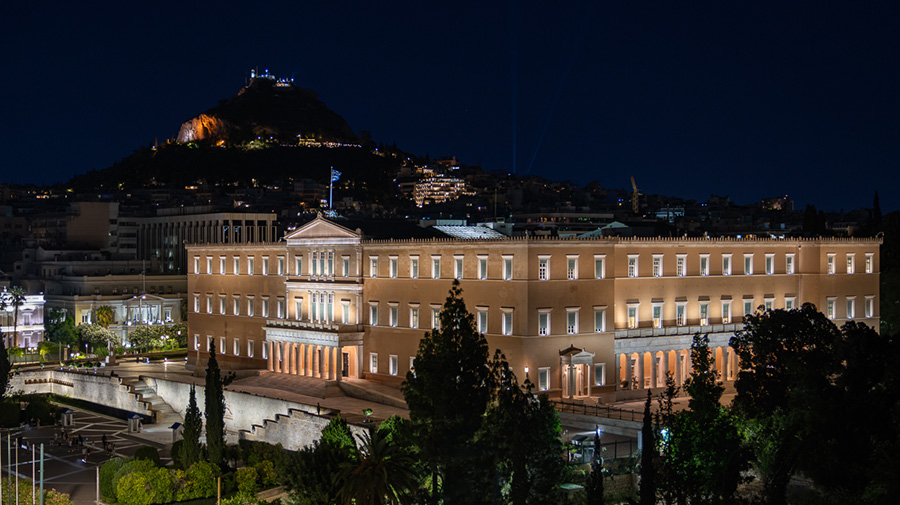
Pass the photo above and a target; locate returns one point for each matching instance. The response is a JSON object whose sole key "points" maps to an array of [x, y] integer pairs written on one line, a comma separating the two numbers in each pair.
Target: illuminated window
{"points": [[748, 306], [870, 306], [436, 317], [544, 378], [222, 265], [280, 309], [851, 307], [599, 320], [657, 265], [394, 314], [250, 265], [435, 267], [789, 263], [704, 264], [632, 265], [681, 265], [265, 308], [281, 265], [414, 267], [393, 364], [748, 264], [298, 309], [681, 313], [373, 313], [237, 265], [209, 265], [482, 267], [250, 306], [657, 315], [829, 265], [599, 266], [209, 308], [265, 265], [572, 321], [769, 304], [481, 320], [196, 305], [345, 260], [632, 316], [458, 267], [298, 265], [250, 348], [507, 267], [373, 362], [373, 266], [392, 266], [196, 264], [571, 267], [851, 263], [221, 304], [726, 311], [236, 305], [544, 322], [726, 264], [507, 321], [770, 263], [543, 268], [829, 307], [414, 316], [789, 303], [236, 347], [870, 262], [599, 374]]}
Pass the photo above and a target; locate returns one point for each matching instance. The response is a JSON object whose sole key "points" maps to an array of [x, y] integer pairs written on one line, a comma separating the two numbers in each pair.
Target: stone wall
{"points": [[85, 386], [294, 431]]}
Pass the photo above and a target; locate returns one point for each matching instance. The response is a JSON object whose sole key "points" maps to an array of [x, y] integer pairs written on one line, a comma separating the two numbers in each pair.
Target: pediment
{"points": [[321, 228]]}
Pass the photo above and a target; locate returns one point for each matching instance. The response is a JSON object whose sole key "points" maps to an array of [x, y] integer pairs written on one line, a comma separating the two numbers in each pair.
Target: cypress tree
{"points": [[193, 425], [5, 368], [594, 486], [215, 410], [648, 473]]}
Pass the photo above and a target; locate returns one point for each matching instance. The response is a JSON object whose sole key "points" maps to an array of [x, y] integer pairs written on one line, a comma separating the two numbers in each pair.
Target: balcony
{"points": [[315, 332]]}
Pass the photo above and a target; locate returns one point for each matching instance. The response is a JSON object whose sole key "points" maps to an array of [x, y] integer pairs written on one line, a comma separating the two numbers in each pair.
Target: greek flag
{"points": [[335, 175]]}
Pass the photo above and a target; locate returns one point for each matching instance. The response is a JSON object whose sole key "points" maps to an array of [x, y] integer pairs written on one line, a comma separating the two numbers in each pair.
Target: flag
{"points": [[335, 175]]}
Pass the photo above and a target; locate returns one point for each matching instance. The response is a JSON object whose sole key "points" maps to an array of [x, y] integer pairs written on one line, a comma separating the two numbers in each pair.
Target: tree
{"points": [[60, 328], [448, 394], [5, 368], [215, 409], [594, 485], [648, 455], [191, 451], [382, 474], [105, 317], [14, 297], [310, 477], [95, 334], [785, 389]]}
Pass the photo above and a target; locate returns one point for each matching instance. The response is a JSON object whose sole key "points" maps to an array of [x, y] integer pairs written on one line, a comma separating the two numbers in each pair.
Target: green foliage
{"points": [[107, 477], [97, 335], [254, 453], [202, 476], [60, 328], [9, 413], [105, 315], [594, 486], [268, 477], [129, 466], [382, 473], [149, 453], [190, 449], [5, 369], [309, 477], [247, 480], [337, 436], [648, 456], [39, 407], [215, 410], [146, 487]]}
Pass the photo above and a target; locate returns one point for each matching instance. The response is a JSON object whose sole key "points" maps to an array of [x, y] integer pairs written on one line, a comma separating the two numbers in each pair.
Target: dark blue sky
{"points": [[747, 99]]}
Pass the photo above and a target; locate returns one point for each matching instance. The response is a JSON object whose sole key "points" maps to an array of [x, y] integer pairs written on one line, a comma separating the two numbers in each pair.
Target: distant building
{"points": [[26, 330], [433, 190]]}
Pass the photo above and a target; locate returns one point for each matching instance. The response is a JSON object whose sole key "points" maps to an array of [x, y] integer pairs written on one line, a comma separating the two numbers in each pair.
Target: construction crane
{"points": [[635, 204]]}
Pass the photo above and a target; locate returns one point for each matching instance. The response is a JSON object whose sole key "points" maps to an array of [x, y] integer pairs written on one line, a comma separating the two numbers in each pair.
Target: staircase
{"points": [[163, 413]]}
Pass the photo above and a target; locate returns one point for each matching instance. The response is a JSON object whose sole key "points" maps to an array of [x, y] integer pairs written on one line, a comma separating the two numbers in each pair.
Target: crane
{"points": [[635, 204]]}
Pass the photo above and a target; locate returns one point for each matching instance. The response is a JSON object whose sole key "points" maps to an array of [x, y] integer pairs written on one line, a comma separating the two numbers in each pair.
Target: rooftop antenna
{"points": [[635, 204]]}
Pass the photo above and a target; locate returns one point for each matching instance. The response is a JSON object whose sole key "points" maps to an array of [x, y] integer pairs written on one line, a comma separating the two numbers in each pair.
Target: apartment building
{"points": [[578, 317]]}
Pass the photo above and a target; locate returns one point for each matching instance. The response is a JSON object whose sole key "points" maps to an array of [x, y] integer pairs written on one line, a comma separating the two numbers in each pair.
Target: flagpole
{"points": [[331, 189]]}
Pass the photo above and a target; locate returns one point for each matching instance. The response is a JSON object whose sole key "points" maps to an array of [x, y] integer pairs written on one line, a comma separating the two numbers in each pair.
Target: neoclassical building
{"points": [[579, 317]]}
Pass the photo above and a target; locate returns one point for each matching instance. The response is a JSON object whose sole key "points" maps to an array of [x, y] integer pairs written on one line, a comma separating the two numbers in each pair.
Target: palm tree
{"points": [[16, 295], [382, 475], [105, 316]]}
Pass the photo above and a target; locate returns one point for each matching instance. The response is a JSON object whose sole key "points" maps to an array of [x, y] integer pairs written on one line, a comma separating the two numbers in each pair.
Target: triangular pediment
{"points": [[321, 228]]}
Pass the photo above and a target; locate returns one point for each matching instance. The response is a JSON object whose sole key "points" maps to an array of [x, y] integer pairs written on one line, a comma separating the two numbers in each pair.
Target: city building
{"points": [[21, 321], [598, 316]]}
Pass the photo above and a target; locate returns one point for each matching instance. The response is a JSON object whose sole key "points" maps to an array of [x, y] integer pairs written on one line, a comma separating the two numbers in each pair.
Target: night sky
{"points": [[746, 99]]}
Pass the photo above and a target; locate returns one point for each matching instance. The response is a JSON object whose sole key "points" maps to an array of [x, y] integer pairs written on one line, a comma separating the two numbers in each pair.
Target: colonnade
{"points": [[643, 370], [310, 360]]}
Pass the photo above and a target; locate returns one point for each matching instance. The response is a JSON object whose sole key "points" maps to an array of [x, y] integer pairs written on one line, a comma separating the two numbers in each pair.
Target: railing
{"points": [[597, 411]]}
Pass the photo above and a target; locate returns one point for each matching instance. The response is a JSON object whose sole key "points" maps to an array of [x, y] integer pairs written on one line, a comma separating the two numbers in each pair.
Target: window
{"points": [[196, 308], [250, 307], [265, 265], [209, 265], [265, 308], [196, 342], [870, 262], [726, 264], [829, 266], [414, 267], [748, 306], [458, 267], [571, 267], [851, 307], [209, 304], [345, 311], [373, 362], [298, 309], [298, 265], [726, 311], [314, 263], [281, 265], [435, 267], [632, 265], [86, 315], [481, 319], [572, 321], [222, 265], [373, 313], [222, 348], [681, 265], [393, 364], [196, 264], [279, 307], [657, 265], [236, 348], [599, 266], [704, 264], [237, 265], [544, 378], [599, 374], [507, 322], [392, 264], [393, 314], [250, 265], [789, 263], [829, 307], [769, 303], [657, 315], [436, 317], [789, 303], [414, 316], [250, 349], [507, 268], [870, 306], [770, 263], [681, 313], [331, 263], [222, 304], [236, 306], [373, 266], [544, 322], [599, 320], [748, 264], [543, 268], [851, 263], [632, 315], [314, 307], [412, 365]]}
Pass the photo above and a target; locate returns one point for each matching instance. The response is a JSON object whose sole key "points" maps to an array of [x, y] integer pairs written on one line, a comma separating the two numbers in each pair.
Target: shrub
{"points": [[107, 473], [9, 415], [247, 480], [149, 453], [131, 466], [265, 471], [54, 497], [39, 407], [176, 453], [134, 489], [200, 479]]}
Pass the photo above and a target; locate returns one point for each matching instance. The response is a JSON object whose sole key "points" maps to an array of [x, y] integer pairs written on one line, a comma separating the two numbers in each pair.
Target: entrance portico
{"points": [[575, 367], [323, 351]]}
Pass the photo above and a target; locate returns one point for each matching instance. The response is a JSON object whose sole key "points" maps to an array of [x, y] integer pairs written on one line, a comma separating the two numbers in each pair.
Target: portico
{"points": [[320, 350]]}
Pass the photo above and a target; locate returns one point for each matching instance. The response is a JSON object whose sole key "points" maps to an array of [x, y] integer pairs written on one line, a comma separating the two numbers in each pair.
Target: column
{"points": [[726, 363], [679, 379], [277, 356], [665, 366], [654, 371], [339, 364], [639, 373], [331, 374], [270, 363], [301, 361], [619, 368], [629, 373], [315, 361]]}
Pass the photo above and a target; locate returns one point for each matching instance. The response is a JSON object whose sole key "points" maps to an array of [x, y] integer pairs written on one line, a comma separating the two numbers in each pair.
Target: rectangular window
{"points": [[726, 264], [543, 379], [412, 365], [770, 263], [222, 347], [236, 347], [870, 306], [870, 262], [251, 262], [599, 320], [414, 317], [599, 374], [222, 304], [436, 318], [393, 364], [196, 306], [250, 307], [250, 349], [543, 323], [457, 267], [657, 315], [346, 265], [633, 265], [681, 265], [265, 308], [394, 315], [507, 268], [572, 321], [196, 342], [236, 306], [373, 314], [222, 265], [298, 265], [392, 262], [280, 309], [829, 267], [414, 267], [373, 266], [481, 319], [435, 267], [265, 265], [748, 306], [789, 263], [704, 264], [507, 322], [599, 266], [209, 269], [314, 263], [196, 264], [373, 362], [280, 265], [704, 314], [331, 263], [632, 316], [769, 303], [572, 267], [726, 312], [482, 267], [851, 263], [789, 303], [543, 268], [829, 308], [851, 307], [657, 265], [298, 310], [748, 264], [681, 314], [209, 304], [237, 265]]}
